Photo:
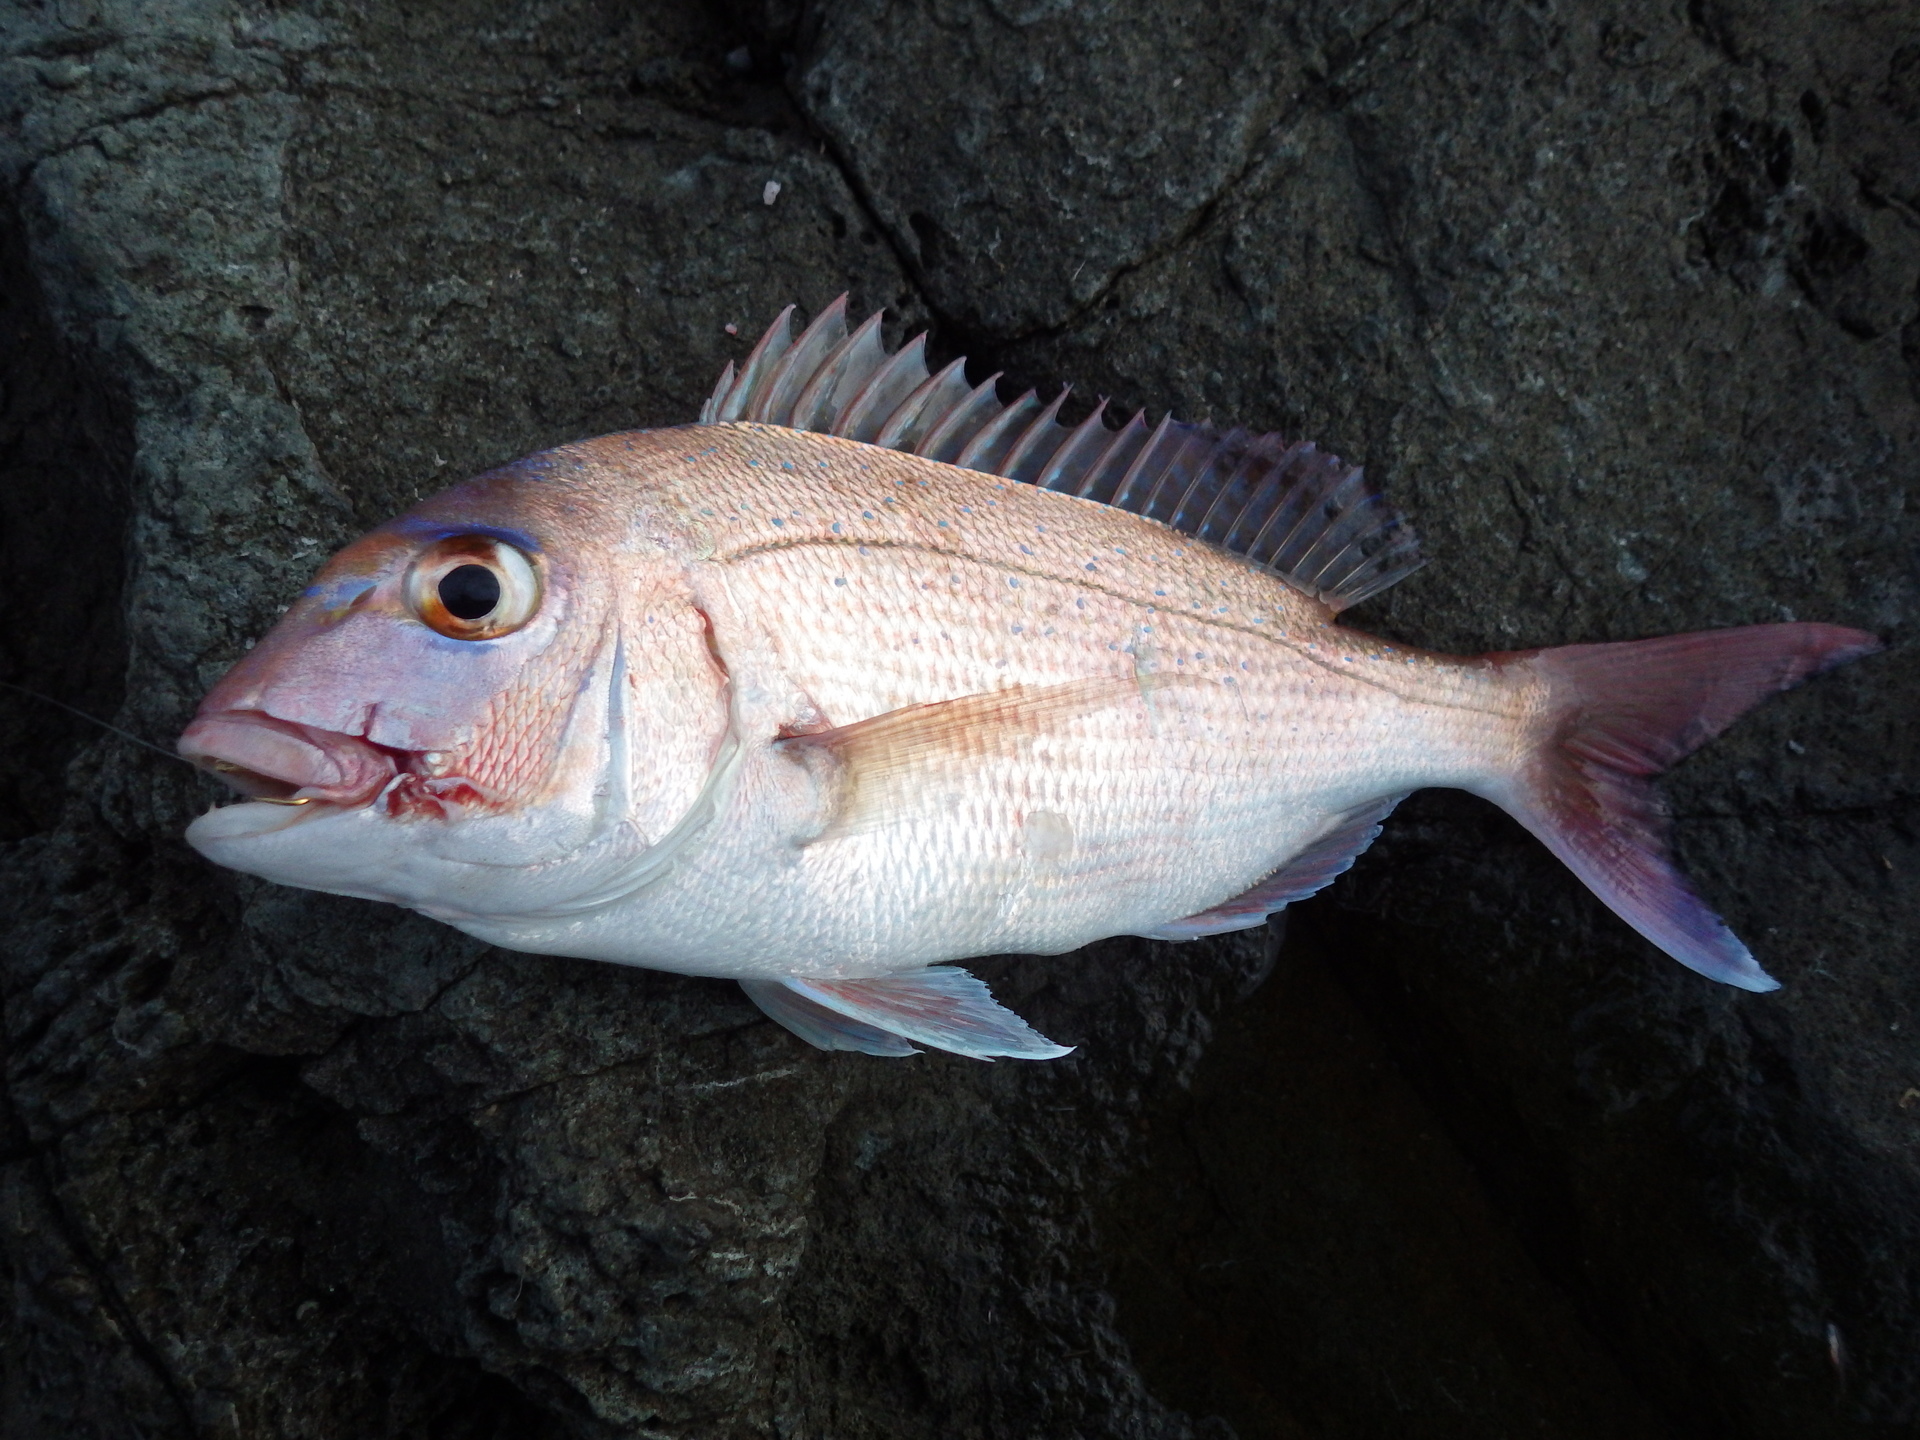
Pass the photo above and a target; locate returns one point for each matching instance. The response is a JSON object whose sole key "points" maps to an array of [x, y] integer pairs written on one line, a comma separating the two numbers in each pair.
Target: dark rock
{"points": [[1621, 305]]}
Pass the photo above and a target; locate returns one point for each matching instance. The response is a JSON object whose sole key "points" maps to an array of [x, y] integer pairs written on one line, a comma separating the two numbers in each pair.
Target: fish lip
{"points": [[269, 759]]}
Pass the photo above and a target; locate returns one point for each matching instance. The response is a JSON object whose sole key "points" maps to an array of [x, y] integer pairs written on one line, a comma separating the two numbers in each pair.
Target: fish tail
{"points": [[1617, 715]]}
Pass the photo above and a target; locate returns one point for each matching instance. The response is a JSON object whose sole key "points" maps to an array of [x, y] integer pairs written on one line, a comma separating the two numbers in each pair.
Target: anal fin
{"points": [[943, 1008], [1307, 873]]}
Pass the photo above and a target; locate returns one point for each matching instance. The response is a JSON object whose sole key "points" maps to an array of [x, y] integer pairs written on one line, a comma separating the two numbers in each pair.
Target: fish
{"points": [[868, 672]]}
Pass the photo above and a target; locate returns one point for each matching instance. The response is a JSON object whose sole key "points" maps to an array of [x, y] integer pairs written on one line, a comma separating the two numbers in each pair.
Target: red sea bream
{"points": [[868, 672]]}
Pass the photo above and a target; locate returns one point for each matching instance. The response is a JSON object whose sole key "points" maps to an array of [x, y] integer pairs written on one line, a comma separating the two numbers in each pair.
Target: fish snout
{"points": [[269, 759]]}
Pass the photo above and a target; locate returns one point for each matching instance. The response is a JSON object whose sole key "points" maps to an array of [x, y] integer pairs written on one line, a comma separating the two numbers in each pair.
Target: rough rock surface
{"points": [[1621, 300]]}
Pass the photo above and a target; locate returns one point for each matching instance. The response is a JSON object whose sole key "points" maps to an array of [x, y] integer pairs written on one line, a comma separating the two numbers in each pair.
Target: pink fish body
{"points": [[870, 673]]}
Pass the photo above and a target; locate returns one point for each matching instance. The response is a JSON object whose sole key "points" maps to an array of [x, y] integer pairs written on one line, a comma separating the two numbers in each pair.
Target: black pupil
{"points": [[470, 592]]}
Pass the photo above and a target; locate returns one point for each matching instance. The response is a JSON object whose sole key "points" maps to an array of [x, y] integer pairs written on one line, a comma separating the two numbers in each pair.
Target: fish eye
{"points": [[473, 587], [470, 592]]}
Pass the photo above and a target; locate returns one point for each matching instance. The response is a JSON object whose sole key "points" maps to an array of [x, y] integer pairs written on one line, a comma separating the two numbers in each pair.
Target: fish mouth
{"points": [[283, 763]]}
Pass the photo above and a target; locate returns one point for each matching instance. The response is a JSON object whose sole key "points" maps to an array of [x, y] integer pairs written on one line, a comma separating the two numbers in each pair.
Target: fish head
{"points": [[473, 705]]}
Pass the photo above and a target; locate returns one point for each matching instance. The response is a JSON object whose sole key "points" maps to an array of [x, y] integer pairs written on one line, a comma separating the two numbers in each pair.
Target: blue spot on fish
{"points": [[428, 530], [341, 594]]}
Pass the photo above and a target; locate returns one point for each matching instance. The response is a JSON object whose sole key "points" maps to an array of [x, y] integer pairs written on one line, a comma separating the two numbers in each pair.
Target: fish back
{"points": [[1290, 508]]}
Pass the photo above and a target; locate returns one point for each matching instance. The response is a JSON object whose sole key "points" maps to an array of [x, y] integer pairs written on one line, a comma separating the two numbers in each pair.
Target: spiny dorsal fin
{"points": [[1307, 516]]}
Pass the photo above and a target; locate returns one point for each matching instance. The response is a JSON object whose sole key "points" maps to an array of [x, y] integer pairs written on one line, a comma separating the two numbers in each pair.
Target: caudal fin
{"points": [[1620, 714]]}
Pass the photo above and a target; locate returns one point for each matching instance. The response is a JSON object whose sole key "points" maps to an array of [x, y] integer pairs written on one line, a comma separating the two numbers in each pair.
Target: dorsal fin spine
{"points": [[1139, 471], [997, 432], [1035, 445], [844, 370], [902, 428], [963, 423], [1117, 456], [797, 366], [1090, 432], [772, 346], [811, 401], [710, 411], [862, 416]]}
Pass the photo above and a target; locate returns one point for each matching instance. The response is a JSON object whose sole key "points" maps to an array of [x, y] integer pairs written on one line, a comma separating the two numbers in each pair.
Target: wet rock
{"points": [[1621, 303]]}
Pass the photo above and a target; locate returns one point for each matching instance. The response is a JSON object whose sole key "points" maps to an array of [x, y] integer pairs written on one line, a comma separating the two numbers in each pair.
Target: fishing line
{"points": [[96, 720]]}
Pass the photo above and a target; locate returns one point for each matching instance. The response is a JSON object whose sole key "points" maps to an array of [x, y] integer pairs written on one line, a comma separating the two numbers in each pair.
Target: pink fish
{"points": [[868, 672]]}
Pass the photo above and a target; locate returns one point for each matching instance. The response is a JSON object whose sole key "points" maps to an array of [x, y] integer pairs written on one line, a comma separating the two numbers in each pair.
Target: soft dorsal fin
{"points": [[1307, 516]]}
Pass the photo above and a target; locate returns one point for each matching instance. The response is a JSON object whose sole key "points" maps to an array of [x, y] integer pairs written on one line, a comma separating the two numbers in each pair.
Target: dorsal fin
{"points": [[1307, 516]]}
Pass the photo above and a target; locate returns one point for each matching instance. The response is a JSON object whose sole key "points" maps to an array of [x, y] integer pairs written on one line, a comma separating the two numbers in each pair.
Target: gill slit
{"points": [[652, 862], [617, 803]]}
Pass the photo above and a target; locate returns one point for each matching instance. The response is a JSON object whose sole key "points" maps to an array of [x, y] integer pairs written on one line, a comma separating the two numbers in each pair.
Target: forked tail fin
{"points": [[1620, 714]]}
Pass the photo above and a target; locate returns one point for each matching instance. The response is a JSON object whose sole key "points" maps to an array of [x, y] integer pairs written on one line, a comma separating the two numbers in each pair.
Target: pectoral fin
{"points": [[899, 763], [943, 1008]]}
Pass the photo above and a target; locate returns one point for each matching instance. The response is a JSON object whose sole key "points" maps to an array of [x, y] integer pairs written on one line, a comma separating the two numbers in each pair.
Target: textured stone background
{"points": [[1621, 300]]}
